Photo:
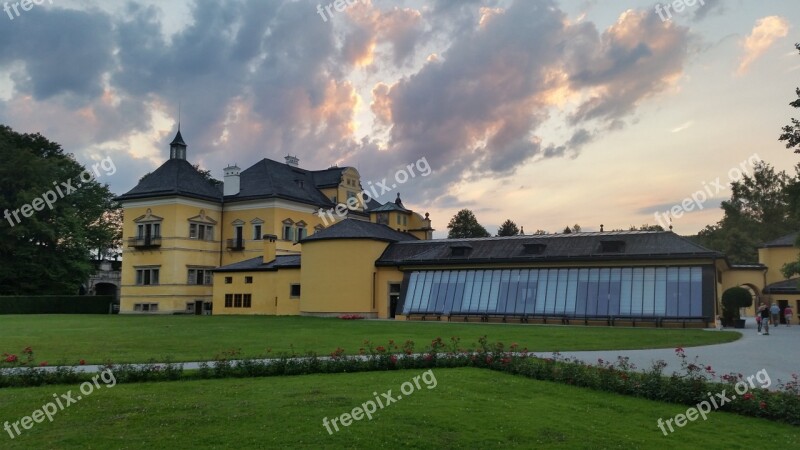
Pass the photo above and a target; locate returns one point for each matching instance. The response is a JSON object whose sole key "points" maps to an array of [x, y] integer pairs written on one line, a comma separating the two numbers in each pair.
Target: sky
{"points": [[549, 113]]}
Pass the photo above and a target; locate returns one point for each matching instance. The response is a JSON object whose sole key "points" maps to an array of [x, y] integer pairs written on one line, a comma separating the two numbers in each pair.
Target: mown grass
{"points": [[467, 408], [121, 339]]}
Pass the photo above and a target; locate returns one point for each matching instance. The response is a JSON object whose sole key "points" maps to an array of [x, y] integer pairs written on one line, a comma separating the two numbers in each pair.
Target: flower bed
{"points": [[692, 385]]}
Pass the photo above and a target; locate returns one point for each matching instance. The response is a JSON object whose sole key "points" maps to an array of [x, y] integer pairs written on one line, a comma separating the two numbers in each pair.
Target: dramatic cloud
{"points": [[466, 84], [764, 34]]}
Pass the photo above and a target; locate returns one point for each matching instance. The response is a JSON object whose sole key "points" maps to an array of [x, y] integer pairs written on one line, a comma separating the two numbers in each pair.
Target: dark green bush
{"points": [[56, 304]]}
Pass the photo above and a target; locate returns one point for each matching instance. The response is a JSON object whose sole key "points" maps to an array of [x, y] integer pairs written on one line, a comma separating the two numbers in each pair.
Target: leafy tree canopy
{"points": [[508, 228], [763, 206], [49, 251], [465, 225]]}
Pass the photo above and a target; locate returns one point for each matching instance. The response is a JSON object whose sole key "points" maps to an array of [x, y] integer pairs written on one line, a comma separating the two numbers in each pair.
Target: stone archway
{"points": [[106, 289]]}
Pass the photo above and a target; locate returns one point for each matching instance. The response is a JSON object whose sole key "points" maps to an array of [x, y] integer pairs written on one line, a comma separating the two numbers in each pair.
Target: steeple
{"points": [[177, 148]]}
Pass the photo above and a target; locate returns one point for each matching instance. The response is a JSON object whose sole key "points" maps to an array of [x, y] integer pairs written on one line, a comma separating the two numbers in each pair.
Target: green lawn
{"points": [[69, 338], [467, 408]]}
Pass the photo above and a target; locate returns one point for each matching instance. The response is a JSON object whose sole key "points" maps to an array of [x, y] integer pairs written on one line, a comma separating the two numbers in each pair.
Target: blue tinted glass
{"points": [[626, 277], [649, 295], [697, 292], [572, 291], [672, 292], [685, 292], [468, 281], [502, 298], [603, 292], [494, 293], [529, 293], [614, 288], [661, 291], [541, 291]]}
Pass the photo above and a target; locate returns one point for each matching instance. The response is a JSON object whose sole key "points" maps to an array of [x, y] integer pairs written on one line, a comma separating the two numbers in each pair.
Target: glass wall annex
{"points": [[573, 292]]}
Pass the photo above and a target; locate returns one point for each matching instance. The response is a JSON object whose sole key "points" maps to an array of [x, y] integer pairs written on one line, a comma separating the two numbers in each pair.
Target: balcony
{"points": [[236, 245], [144, 242]]}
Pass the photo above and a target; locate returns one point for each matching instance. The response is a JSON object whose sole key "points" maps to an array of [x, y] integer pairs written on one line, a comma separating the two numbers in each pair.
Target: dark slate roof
{"points": [[390, 206], [639, 245], [271, 179], [178, 140], [359, 229], [174, 177], [328, 178], [783, 241], [783, 287], [257, 264]]}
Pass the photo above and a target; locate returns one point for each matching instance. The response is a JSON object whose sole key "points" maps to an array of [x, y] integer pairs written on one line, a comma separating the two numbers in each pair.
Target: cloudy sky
{"points": [[547, 112]]}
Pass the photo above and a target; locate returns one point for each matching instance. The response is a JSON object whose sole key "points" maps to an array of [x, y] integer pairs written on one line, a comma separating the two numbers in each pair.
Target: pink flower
{"points": [[393, 359]]}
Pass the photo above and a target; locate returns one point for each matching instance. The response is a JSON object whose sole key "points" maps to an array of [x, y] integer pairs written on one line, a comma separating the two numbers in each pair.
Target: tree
{"points": [[48, 250], [763, 206], [791, 133], [576, 228], [540, 233], [465, 225], [567, 230], [508, 228]]}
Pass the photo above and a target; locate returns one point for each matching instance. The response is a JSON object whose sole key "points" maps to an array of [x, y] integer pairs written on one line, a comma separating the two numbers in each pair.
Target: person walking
{"points": [[787, 314], [775, 311], [758, 320], [764, 313]]}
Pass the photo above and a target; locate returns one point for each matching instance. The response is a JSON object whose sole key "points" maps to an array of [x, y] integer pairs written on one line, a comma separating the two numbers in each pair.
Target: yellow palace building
{"points": [[266, 243]]}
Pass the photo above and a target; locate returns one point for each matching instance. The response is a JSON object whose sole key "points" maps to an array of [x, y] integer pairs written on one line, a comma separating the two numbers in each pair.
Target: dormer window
{"points": [[612, 246], [460, 250], [534, 249]]}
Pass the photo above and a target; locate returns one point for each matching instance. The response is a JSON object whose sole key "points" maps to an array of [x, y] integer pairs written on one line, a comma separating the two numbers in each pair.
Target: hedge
{"points": [[56, 304]]}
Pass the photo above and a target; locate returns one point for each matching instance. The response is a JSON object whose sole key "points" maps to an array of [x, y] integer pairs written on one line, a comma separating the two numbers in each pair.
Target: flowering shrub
{"points": [[351, 317], [690, 385]]}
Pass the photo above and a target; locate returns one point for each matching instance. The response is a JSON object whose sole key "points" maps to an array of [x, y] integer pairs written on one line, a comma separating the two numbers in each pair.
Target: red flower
{"points": [[748, 396], [380, 349], [43, 363], [27, 351], [11, 358], [393, 359], [82, 362], [762, 405], [428, 357], [679, 350], [489, 360]]}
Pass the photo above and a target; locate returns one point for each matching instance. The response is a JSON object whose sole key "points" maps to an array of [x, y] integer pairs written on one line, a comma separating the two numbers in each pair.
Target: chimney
{"points": [[293, 161], [269, 248], [232, 181]]}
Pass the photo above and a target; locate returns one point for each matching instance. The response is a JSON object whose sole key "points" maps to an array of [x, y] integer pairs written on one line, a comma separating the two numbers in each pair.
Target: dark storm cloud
{"points": [[264, 78], [63, 52]]}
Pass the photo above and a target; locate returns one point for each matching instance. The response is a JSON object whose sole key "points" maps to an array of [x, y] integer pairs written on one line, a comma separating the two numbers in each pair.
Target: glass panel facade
{"points": [[585, 292]]}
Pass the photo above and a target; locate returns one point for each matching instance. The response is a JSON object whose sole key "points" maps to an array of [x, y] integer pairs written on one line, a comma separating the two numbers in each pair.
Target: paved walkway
{"points": [[778, 353]]}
